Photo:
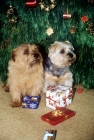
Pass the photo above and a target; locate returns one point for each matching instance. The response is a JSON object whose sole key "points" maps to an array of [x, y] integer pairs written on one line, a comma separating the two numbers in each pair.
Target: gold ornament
{"points": [[49, 31], [12, 18], [73, 30], [90, 28], [43, 6]]}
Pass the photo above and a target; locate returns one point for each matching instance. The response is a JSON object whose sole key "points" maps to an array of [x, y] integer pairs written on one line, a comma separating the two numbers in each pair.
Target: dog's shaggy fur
{"points": [[57, 71], [26, 74]]}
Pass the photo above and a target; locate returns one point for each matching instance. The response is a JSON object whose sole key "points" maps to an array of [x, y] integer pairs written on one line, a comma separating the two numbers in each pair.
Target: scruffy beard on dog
{"points": [[26, 74], [57, 66]]}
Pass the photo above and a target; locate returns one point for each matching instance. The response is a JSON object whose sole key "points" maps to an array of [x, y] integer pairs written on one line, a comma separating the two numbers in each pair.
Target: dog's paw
{"points": [[43, 94], [15, 104]]}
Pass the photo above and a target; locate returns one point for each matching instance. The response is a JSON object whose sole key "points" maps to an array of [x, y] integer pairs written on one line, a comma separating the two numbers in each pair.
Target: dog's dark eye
{"points": [[26, 52], [62, 51]]}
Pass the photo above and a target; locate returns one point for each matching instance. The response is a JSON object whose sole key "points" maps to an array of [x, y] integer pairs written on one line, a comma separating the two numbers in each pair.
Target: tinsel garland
{"points": [[45, 7]]}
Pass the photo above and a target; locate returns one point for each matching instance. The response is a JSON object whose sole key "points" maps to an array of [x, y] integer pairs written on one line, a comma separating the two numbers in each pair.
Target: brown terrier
{"points": [[26, 74]]}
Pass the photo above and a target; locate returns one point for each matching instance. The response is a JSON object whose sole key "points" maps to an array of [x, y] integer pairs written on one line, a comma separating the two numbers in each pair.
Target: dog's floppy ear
{"points": [[13, 55], [52, 48], [67, 41], [70, 44]]}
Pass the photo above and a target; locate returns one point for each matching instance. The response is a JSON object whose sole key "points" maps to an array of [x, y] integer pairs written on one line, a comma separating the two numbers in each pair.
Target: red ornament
{"points": [[66, 16], [31, 3], [84, 19], [79, 90]]}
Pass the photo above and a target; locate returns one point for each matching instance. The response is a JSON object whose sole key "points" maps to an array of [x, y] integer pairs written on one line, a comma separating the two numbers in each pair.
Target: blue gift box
{"points": [[31, 102]]}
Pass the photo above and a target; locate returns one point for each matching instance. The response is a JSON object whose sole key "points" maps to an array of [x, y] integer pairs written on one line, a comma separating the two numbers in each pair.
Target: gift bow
{"points": [[57, 113]]}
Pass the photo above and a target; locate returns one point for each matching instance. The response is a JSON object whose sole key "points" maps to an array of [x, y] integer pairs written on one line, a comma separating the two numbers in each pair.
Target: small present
{"points": [[30, 102], [57, 116], [50, 135], [58, 96]]}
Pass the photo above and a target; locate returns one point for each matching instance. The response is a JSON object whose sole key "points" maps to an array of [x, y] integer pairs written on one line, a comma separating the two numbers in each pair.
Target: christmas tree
{"points": [[45, 21]]}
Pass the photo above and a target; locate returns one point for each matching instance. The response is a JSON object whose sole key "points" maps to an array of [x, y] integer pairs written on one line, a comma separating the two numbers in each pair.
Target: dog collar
{"points": [[51, 68]]}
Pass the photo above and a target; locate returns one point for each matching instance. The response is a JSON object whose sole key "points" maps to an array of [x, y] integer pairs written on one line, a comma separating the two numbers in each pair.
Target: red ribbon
{"points": [[31, 3]]}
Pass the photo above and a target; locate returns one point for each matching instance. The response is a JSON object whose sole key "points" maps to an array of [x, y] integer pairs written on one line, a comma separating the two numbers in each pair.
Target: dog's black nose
{"points": [[70, 55], [36, 55]]}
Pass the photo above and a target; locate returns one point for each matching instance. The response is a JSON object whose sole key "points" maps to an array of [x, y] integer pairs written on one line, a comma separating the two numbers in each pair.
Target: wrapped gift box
{"points": [[30, 102], [58, 96], [57, 116]]}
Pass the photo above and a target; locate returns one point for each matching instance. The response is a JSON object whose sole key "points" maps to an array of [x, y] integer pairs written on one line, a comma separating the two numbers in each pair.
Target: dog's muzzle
{"points": [[36, 59], [70, 55], [36, 55]]}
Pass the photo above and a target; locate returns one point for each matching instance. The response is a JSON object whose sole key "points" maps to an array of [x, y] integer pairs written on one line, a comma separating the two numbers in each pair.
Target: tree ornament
{"points": [[43, 6], [5, 43], [90, 28], [84, 19], [73, 30], [11, 15], [31, 3], [49, 31], [67, 15], [91, 1], [79, 90]]}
